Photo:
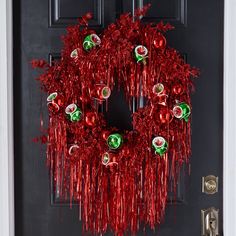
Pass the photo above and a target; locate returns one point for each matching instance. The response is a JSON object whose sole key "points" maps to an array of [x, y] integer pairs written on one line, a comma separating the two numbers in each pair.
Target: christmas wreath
{"points": [[119, 178]]}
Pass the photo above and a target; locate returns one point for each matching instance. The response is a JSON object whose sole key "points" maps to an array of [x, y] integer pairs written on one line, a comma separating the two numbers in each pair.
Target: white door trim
{"points": [[6, 121], [229, 183]]}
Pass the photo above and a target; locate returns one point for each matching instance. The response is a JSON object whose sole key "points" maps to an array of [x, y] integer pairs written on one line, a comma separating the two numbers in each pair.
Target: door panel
{"points": [[65, 12], [172, 11], [38, 26]]}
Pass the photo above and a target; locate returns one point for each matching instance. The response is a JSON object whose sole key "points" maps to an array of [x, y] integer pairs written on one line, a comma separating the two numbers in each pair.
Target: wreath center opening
{"points": [[119, 113]]}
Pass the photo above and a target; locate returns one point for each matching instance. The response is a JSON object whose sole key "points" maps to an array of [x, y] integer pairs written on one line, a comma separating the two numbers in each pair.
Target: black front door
{"points": [[38, 26]]}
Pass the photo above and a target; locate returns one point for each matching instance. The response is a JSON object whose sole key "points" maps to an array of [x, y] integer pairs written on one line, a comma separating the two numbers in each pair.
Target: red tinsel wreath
{"points": [[119, 179]]}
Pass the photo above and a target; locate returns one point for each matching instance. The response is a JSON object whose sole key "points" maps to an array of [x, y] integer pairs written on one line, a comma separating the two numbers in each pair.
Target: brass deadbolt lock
{"points": [[210, 184]]}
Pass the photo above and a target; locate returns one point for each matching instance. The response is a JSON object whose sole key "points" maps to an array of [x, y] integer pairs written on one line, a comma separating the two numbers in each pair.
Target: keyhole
{"points": [[212, 223]]}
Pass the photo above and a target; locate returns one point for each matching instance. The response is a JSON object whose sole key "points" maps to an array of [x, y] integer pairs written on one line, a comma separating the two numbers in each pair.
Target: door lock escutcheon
{"points": [[210, 222], [210, 184]]}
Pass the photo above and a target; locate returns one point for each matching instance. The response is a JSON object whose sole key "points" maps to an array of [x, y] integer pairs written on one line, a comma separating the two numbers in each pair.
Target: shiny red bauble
{"points": [[54, 102], [177, 89], [159, 42], [105, 134], [162, 99], [53, 107], [165, 116], [90, 118], [89, 15]]}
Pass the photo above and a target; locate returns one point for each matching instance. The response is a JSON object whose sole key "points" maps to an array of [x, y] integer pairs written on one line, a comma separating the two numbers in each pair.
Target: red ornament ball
{"points": [[89, 16], [105, 134], [165, 116], [53, 107], [54, 102], [177, 89], [90, 118], [161, 99], [160, 42]]}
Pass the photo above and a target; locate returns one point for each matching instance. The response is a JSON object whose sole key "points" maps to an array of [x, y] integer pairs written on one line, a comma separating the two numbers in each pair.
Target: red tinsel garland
{"points": [[131, 188]]}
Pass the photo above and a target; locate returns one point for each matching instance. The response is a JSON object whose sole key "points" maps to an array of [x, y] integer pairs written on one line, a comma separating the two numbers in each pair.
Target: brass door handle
{"points": [[210, 222]]}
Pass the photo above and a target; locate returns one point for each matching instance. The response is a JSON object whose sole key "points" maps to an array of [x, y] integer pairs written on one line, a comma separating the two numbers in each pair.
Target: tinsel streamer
{"points": [[129, 190]]}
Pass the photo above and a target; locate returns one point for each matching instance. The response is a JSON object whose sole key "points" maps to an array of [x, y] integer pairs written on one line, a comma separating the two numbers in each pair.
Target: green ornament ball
{"points": [[91, 41], [73, 113], [160, 145], [114, 141], [140, 53], [182, 111]]}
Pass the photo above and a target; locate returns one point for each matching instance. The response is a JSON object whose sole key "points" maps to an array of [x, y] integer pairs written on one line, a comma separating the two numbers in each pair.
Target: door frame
{"points": [[6, 119], [229, 126]]}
